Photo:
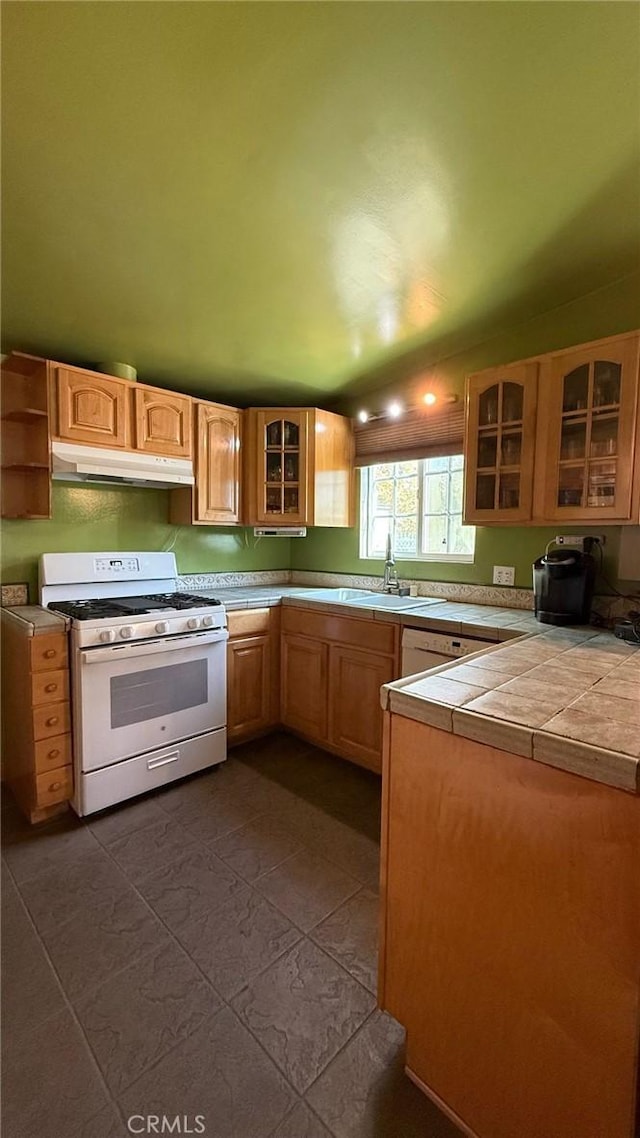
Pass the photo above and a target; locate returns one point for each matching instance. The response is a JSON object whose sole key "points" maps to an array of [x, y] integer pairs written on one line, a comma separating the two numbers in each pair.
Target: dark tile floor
{"points": [[209, 950]]}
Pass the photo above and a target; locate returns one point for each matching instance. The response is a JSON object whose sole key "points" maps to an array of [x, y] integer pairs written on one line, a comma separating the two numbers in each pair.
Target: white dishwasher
{"points": [[422, 650]]}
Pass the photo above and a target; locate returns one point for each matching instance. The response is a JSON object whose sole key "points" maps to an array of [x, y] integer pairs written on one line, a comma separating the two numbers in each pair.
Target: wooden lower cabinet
{"points": [[510, 946], [249, 684], [355, 715], [36, 719], [253, 673], [304, 686], [332, 670]]}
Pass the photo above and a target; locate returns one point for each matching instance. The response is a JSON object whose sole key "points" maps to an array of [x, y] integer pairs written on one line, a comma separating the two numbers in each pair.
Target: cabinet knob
{"points": [[55, 786], [50, 687], [50, 653], [52, 722], [53, 754]]}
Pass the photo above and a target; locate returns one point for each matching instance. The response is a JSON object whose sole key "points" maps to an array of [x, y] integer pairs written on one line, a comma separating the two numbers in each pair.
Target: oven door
{"points": [[133, 698]]}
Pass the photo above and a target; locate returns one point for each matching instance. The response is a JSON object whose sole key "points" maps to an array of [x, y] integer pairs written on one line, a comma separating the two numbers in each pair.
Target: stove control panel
{"points": [[89, 634], [117, 566]]}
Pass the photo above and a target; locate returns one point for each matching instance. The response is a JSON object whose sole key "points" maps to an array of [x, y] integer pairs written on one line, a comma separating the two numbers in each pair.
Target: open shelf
{"points": [[25, 467], [24, 415]]}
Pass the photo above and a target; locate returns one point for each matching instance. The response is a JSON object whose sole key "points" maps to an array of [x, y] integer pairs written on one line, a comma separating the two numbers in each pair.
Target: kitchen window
{"points": [[420, 504]]}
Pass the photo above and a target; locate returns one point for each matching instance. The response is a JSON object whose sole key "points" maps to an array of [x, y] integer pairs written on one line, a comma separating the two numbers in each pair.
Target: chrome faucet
{"points": [[390, 582]]}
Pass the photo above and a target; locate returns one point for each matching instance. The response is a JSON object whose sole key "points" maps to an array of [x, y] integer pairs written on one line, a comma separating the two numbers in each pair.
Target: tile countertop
{"points": [[36, 621], [567, 697]]}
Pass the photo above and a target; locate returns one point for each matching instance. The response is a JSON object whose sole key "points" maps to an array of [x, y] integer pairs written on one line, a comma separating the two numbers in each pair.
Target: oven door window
{"points": [[137, 697]]}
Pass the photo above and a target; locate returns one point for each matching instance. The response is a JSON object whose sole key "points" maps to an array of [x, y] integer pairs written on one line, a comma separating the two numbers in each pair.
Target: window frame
{"points": [[364, 520]]}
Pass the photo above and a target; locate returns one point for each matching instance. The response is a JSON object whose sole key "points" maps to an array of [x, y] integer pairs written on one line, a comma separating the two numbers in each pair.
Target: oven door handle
{"points": [[152, 648]]}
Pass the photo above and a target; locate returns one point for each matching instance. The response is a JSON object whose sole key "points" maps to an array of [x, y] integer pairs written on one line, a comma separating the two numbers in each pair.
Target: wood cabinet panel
{"points": [[249, 685], [567, 448], [54, 786], [47, 652], [279, 466], [52, 753], [36, 719], [378, 635], [299, 467], [217, 464], [49, 687], [585, 448], [51, 719], [92, 409], [355, 713], [163, 422], [499, 444], [511, 906], [250, 622], [304, 685]]}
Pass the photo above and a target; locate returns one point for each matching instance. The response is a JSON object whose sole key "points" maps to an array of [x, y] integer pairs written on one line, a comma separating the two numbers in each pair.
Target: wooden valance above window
{"points": [[428, 433]]}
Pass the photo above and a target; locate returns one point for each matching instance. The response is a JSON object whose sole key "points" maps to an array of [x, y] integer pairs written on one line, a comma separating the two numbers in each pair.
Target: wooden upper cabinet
{"points": [[281, 466], [92, 409], [556, 438], [500, 444], [162, 422], [217, 493], [299, 467], [585, 458]]}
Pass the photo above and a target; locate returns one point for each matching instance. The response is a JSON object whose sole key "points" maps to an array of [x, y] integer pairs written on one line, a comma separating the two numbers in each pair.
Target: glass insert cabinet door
{"points": [[282, 440], [590, 397], [500, 434]]}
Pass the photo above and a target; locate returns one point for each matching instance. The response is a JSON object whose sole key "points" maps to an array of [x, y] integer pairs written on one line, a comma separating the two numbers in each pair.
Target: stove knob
{"points": [[207, 621], [162, 626], [108, 636], [126, 631], [192, 622]]}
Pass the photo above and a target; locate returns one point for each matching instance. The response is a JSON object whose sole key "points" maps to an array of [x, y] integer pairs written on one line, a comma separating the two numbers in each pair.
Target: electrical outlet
{"points": [[504, 575], [574, 541]]}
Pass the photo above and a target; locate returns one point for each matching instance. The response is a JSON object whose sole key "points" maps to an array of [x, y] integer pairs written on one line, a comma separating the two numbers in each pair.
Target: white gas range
{"points": [[149, 676]]}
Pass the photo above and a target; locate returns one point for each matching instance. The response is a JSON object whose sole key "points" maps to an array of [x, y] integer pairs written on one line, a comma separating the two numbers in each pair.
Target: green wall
{"points": [[120, 519], [336, 551], [95, 518], [603, 312]]}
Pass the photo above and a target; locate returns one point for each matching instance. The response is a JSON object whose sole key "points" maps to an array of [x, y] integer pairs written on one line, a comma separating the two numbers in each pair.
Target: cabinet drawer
{"points": [[249, 622], [54, 786], [48, 652], [377, 636], [52, 753], [49, 687], [51, 719]]}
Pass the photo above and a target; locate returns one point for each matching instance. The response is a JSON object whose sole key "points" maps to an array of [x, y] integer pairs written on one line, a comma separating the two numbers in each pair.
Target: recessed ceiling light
{"points": [[394, 410], [430, 398], [363, 416]]}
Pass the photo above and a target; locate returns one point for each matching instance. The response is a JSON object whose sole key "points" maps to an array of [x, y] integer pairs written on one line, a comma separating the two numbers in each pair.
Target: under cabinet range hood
{"points": [[72, 462]]}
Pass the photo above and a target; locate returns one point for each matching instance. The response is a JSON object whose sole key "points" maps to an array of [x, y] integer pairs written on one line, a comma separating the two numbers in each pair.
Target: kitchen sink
{"points": [[335, 594], [368, 598], [392, 601]]}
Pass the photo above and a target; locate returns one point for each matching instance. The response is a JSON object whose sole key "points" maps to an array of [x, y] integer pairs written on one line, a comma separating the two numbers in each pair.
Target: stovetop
{"points": [[107, 608]]}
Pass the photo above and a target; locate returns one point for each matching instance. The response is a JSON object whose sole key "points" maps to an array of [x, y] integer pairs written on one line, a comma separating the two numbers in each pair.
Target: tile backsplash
{"points": [[14, 594]]}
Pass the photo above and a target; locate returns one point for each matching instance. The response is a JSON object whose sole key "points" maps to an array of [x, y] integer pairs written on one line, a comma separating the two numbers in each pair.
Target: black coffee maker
{"points": [[563, 581]]}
